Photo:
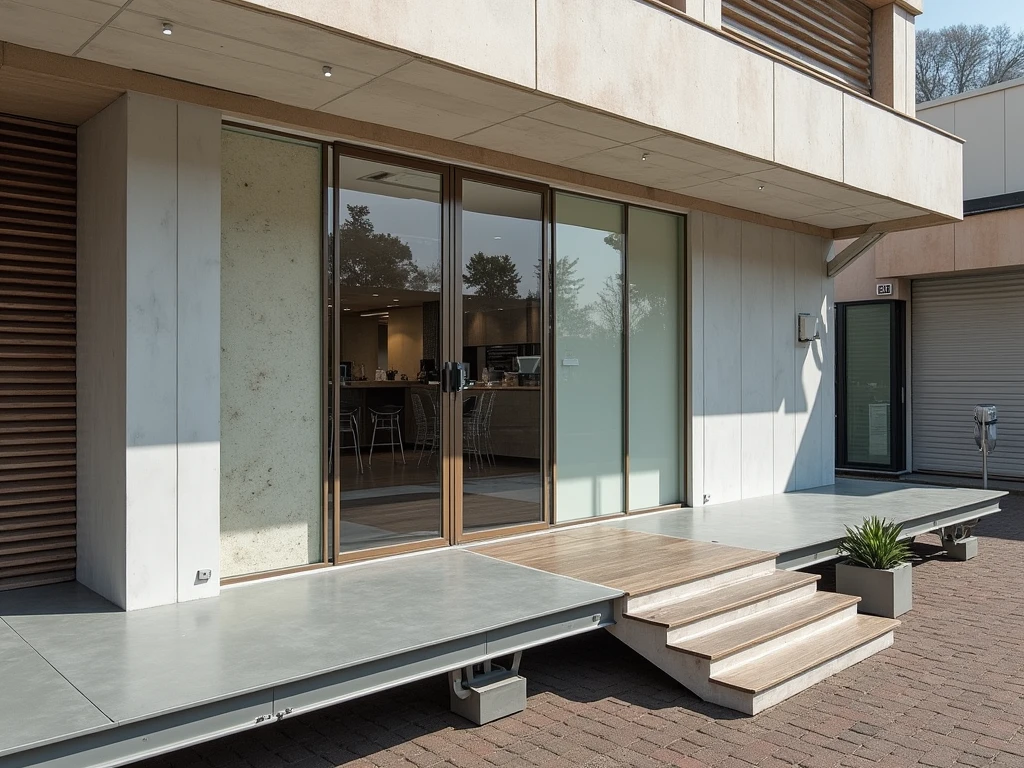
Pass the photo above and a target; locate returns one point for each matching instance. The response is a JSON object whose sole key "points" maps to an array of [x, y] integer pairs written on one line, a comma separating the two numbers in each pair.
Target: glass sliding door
{"points": [[870, 385], [501, 243], [588, 357], [387, 444], [272, 272], [653, 261]]}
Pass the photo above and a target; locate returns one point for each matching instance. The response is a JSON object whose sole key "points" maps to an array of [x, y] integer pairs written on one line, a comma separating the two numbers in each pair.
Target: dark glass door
{"points": [[870, 385]]}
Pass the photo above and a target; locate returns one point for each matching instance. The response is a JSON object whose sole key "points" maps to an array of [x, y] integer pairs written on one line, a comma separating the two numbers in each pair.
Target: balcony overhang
{"points": [[627, 91]]}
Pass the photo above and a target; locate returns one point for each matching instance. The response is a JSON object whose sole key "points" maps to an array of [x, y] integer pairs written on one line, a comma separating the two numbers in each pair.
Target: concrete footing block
{"points": [[489, 697], [964, 549]]}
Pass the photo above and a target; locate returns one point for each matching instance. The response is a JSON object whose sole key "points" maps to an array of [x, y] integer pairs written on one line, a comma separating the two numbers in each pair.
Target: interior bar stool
{"points": [[386, 419], [348, 421]]}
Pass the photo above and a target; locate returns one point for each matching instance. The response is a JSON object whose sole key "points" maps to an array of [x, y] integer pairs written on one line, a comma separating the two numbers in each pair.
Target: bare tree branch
{"points": [[961, 58]]}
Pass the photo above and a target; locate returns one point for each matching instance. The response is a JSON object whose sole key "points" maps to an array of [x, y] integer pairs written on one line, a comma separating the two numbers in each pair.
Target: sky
{"points": [[943, 13]]}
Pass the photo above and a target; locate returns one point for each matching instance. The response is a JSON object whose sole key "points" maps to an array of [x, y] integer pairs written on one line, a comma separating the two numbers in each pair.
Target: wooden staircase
{"points": [[751, 637]]}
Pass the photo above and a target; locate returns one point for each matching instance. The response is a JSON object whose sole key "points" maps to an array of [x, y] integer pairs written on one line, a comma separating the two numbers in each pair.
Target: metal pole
{"points": [[984, 458]]}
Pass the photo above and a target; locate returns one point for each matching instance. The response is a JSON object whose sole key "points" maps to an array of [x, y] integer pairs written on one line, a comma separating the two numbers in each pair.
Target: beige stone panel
{"points": [[493, 37], [910, 65], [391, 102], [893, 156], [39, 27], [915, 252], [703, 154], [175, 59], [271, 358], [593, 122], [658, 170], [981, 123], [503, 99], [1015, 131], [754, 183], [857, 282], [98, 11], [274, 32], [808, 124], [843, 196], [990, 240], [251, 53], [534, 138], [636, 60], [833, 220]]}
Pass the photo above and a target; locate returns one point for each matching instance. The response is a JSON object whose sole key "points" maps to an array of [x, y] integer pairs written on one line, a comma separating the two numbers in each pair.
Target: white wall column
{"points": [[149, 351]]}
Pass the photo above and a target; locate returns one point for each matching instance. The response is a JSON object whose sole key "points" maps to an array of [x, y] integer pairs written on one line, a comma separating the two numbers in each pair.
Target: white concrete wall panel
{"points": [[942, 116], [889, 154], [783, 371], [151, 343], [102, 207], [756, 392], [1014, 134], [270, 354], [198, 288], [493, 37], [760, 403], [645, 63], [981, 122], [827, 385], [723, 359], [695, 389]]}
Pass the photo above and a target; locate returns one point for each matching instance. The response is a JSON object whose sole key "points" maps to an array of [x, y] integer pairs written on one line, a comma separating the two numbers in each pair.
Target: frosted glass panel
{"points": [[588, 300], [654, 358], [271, 492]]}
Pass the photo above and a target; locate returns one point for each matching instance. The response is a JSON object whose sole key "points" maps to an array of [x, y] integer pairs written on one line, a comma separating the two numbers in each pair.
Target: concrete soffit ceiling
{"points": [[434, 109]]}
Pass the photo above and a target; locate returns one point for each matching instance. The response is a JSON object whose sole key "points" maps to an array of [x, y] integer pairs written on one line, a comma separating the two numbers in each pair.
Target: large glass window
{"points": [[588, 320], [502, 256], [271, 330], [389, 437], [655, 370]]}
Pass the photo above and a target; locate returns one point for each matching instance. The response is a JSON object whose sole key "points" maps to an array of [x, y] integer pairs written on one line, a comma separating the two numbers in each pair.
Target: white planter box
{"points": [[882, 593]]}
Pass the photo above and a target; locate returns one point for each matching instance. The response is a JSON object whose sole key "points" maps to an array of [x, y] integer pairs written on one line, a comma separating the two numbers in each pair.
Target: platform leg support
{"points": [[964, 549], [487, 692]]}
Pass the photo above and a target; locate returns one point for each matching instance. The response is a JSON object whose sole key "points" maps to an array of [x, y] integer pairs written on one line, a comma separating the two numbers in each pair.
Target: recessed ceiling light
{"points": [[643, 156], [395, 300], [497, 237], [327, 71], [760, 186], [347, 309], [390, 306], [168, 29], [376, 294]]}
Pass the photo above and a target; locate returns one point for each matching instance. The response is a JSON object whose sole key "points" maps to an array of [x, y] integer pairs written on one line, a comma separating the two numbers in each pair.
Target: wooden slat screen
{"points": [[37, 352], [831, 36]]}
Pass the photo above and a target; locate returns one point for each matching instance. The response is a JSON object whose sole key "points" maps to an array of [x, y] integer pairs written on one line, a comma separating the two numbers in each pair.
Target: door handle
{"points": [[455, 377]]}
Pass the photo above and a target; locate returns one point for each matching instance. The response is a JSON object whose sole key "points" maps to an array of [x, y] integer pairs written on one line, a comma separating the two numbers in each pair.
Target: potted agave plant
{"points": [[877, 568]]}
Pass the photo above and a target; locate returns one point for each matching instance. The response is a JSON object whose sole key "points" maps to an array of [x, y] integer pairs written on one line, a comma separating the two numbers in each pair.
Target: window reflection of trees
{"points": [[371, 259]]}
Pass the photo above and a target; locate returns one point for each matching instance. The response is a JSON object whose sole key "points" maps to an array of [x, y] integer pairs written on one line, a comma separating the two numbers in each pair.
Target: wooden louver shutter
{"points": [[831, 36], [37, 352]]}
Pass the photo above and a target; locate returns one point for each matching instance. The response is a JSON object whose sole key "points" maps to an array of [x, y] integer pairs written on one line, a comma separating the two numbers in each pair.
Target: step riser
{"points": [[752, 705], [720, 620], [672, 594], [823, 624]]}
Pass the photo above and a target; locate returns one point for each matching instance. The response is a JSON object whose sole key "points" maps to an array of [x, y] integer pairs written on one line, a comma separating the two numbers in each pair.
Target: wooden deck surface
{"points": [[636, 563]]}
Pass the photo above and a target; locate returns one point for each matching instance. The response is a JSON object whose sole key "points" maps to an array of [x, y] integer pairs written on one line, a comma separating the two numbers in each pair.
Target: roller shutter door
{"points": [[967, 347], [37, 352]]}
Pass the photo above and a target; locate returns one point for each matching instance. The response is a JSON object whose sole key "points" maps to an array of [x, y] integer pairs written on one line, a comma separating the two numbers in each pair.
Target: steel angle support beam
{"points": [[849, 254]]}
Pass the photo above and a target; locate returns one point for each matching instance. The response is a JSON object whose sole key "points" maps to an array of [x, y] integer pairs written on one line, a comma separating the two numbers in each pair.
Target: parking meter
{"points": [[985, 419]]}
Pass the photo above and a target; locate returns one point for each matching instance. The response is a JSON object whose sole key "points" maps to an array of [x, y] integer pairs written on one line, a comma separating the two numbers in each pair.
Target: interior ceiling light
{"points": [[422, 182], [395, 300], [168, 29], [376, 294], [347, 309], [327, 71]]}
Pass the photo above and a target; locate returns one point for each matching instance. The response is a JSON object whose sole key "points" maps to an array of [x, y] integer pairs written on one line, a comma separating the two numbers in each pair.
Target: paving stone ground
{"points": [[950, 692]]}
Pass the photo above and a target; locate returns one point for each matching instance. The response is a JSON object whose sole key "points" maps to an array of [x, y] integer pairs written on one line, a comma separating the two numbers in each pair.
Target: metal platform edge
{"points": [[824, 551], [121, 744]]}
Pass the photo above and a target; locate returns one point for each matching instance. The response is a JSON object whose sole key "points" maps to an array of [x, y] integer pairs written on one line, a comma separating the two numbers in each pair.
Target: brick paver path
{"points": [[950, 692]]}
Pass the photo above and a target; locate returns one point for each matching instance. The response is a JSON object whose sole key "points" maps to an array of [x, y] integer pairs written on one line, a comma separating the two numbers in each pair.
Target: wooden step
{"points": [[724, 599], [765, 626], [762, 674]]}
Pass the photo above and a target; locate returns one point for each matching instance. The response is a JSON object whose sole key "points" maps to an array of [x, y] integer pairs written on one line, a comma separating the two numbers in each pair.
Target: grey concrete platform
{"points": [[85, 684], [805, 527]]}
